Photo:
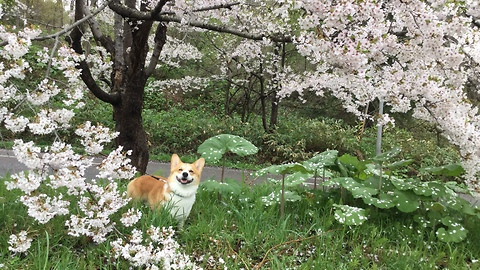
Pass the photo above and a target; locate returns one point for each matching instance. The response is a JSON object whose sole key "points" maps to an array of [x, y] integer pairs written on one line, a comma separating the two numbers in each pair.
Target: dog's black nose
{"points": [[185, 174]]}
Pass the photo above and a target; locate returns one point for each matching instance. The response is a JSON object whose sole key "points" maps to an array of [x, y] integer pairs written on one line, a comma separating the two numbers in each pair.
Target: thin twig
{"points": [[264, 260], [67, 29], [238, 255]]}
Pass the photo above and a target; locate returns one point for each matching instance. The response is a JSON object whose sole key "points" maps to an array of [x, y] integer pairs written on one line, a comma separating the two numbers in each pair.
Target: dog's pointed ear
{"points": [[175, 161], [199, 164]]}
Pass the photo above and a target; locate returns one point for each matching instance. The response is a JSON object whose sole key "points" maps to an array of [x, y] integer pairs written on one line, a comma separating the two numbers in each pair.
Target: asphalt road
{"points": [[10, 165]]}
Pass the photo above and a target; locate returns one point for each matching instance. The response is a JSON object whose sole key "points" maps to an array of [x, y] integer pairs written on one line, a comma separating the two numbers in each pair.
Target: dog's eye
{"points": [[191, 171], [180, 169]]}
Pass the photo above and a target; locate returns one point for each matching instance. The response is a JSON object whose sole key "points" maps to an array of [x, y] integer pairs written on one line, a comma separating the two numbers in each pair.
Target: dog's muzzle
{"points": [[184, 180]]}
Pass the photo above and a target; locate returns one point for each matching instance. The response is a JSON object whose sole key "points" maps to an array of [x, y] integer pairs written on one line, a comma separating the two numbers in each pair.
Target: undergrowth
{"points": [[240, 232]]}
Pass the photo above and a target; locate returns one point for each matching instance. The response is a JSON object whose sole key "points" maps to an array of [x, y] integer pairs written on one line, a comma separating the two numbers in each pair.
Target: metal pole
{"points": [[379, 130]]}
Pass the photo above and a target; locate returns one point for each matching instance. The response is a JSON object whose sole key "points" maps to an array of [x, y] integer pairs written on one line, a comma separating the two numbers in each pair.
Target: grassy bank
{"points": [[240, 232]]}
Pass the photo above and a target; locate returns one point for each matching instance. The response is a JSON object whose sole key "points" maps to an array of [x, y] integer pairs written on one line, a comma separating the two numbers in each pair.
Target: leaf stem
{"points": [[282, 201]]}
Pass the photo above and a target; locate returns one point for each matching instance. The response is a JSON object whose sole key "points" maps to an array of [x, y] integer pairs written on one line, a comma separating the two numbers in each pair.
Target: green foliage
{"points": [[297, 139], [454, 169], [213, 148], [292, 174], [245, 233], [239, 231], [349, 215], [281, 147], [434, 204], [227, 188], [181, 131]]}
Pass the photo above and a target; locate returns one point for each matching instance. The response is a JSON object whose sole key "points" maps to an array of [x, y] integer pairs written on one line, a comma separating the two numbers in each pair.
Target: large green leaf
{"points": [[459, 188], [229, 187], [346, 182], [352, 163], [423, 189], [438, 189], [349, 215], [402, 183], [275, 197], [360, 191], [453, 169], [324, 159], [296, 179], [454, 232], [406, 201], [373, 181], [384, 201], [282, 169], [387, 155], [213, 148], [357, 189], [399, 164]]}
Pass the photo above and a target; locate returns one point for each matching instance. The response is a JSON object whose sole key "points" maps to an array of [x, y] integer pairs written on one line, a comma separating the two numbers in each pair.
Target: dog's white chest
{"points": [[180, 206]]}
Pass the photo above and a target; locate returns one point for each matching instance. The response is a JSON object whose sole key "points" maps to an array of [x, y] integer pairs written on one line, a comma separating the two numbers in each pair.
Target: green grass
{"points": [[238, 232]]}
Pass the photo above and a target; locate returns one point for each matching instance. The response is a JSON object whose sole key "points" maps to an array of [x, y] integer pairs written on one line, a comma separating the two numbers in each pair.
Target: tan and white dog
{"points": [[177, 191]]}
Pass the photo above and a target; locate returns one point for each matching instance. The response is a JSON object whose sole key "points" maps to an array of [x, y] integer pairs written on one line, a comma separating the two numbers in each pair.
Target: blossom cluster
{"points": [[175, 51], [20, 242], [156, 250], [94, 137], [414, 55], [116, 165], [131, 217], [94, 218], [56, 182], [56, 175]]}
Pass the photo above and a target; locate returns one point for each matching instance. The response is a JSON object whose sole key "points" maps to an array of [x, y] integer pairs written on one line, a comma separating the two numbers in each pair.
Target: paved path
{"points": [[10, 165]]}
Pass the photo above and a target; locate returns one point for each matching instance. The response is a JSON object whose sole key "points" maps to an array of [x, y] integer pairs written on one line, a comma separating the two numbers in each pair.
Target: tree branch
{"points": [[160, 40], [219, 6], [69, 28], [158, 8], [105, 41], [224, 29], [125, 11], [75, 40]]}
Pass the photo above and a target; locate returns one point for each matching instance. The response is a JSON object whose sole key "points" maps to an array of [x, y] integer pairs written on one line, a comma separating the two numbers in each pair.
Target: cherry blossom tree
{"points": [[249, 70], [413, 55], [134, 53]]}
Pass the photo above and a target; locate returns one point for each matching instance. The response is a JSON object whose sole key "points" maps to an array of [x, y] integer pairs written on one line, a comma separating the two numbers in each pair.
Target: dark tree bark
{"points": [[128, 78]]}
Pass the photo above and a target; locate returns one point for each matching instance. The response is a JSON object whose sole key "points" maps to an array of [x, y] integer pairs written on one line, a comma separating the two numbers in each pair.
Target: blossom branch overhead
{"points": [[174, 16], [412, 54]]}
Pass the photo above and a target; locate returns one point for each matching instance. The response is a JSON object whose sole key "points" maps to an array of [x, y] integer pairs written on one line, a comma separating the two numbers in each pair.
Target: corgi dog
{"points": [[177, 191]]}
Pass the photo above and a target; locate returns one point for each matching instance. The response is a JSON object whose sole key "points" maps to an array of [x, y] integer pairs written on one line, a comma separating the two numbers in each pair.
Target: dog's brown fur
{"points": [[149, 189]]}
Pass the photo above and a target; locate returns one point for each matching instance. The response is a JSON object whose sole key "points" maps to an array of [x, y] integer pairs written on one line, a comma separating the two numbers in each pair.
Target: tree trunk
{"points": [[128, 121], [274, 113], [131, 85], [128, 78]]}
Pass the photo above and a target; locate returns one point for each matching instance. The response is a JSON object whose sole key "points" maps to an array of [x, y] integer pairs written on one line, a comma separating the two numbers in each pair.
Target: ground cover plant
{"points": [[241, 232], [349, 225]]}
